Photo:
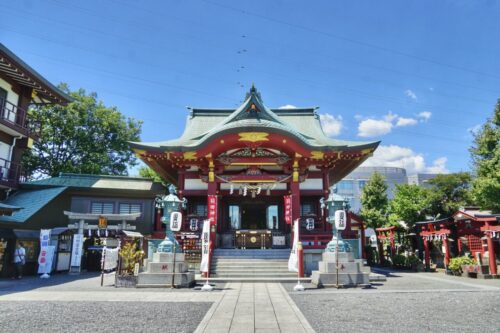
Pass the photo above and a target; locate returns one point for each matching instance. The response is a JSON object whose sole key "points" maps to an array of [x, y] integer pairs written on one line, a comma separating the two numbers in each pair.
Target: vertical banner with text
{"points": [[288, 209], [205, 246], [212, 209]]}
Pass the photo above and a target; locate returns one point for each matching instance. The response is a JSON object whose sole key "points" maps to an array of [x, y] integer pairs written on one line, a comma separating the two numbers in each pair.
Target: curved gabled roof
{"points": [[303, 124]]}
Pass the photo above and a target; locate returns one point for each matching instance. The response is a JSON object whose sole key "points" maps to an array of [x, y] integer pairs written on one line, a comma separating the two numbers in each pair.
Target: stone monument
{"points": [[167, 267], [338, 268]]}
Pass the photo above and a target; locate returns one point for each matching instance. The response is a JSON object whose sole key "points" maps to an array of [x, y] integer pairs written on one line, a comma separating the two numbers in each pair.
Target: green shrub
{"points": [[399, 260], [456, 263], [413, 259]]}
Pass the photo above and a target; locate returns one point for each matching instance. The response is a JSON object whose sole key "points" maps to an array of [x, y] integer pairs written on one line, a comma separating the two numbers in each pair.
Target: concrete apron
{"points": [[254, 307]]}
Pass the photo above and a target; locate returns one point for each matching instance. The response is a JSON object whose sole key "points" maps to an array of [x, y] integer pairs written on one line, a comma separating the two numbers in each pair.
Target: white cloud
{"points": [[287, 106], [331, 125], [411, 94], [373, 127], [425, 115], [406, 122], [438, 166], [401, 157]]}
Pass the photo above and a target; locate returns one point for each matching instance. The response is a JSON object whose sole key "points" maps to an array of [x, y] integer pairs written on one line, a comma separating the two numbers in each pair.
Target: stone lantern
{"points": [[333, 203], [170, 203]]}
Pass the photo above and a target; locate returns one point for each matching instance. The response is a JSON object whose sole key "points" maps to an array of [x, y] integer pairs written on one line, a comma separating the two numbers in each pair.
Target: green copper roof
{"points": [[31, 201], [97, 181], [302, 123]]}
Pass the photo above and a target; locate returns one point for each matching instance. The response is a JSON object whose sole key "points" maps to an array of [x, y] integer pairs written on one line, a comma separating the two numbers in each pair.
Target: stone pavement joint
{"points": [[254, 307]]}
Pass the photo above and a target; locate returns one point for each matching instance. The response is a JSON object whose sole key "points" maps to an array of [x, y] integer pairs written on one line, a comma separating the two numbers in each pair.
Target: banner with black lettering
{"points": [[205, 246]]}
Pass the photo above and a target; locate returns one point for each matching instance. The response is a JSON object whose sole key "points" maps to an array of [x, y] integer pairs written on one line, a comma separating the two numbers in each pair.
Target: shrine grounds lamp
{"points": [[336, 202], [172, 206]]}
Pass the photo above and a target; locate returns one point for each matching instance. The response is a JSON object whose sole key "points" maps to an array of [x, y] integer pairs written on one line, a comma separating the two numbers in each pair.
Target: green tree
{"points": [[410, 204], [486, 159], [449, 192], [84, 136], [147, 172], [374, 202]]}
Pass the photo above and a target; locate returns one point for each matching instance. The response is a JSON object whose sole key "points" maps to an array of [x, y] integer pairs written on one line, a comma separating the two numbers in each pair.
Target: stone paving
{"points": [[412, 302], [254, 307]]}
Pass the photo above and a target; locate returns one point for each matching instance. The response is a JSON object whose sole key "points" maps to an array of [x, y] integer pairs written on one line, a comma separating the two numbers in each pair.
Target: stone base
{"points": [[181, 280], [160, 270], [345, 279], [352, 272]]}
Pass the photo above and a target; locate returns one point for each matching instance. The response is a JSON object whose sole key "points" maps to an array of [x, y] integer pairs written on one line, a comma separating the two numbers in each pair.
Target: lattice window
{"points": [[102, 208], [475, 244]]}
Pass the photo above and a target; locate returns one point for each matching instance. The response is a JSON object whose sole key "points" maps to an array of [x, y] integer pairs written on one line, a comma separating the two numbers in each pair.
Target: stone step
{"points": [[250, 268], [250, 261], [255, 275], [249, 271], [294, 279]]}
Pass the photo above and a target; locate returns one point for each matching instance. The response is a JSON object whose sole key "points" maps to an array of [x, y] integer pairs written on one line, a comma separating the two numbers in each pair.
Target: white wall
{"points": [[195, 184], [312, 184], [11, 96]]}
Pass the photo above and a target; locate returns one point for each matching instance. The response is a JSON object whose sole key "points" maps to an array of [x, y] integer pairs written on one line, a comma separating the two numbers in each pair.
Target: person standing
{"points": [[19, 260]]}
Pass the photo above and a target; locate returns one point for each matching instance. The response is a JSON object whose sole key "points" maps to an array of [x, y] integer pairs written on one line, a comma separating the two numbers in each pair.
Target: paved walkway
{"points": [[254, 307]]}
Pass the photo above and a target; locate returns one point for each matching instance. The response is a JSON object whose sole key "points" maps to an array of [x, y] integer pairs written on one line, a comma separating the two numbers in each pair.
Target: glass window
{"points": [[129, 208], [345, 185], [272, 217], [361, 184], [102, 208], [199, 209], [234, 217], [307, 208]]}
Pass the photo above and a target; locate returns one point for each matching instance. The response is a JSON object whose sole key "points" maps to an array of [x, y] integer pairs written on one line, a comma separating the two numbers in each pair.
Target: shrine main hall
{"points": [[253, 170]]}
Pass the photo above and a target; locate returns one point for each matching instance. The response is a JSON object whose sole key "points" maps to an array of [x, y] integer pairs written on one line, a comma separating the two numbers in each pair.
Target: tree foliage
{"points": [[147, 172], [410, 204], [374, 202], [449, 192], [486, 159], [84, 136]]}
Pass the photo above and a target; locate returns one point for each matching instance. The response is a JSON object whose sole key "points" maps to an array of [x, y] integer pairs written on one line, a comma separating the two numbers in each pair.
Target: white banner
{"points": [[76, 251], [205, 246], [293, 262], [111, 258], [46, 256], [42, 257]]}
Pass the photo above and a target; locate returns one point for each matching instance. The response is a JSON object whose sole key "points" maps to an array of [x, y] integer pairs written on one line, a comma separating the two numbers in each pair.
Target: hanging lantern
{"points": [[193, 224], [310, 224]]}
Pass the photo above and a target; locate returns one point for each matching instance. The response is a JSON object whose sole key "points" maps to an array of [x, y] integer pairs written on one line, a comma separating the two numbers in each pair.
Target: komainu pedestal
{"points": [[160, 272], [352, 272]]}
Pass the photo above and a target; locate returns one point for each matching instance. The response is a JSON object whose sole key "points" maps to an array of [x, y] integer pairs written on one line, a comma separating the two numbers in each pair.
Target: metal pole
{"points": [[173, 269], [103, 261], [337, 260]]}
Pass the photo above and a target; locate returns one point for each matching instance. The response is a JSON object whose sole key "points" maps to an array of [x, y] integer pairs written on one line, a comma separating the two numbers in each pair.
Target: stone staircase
{"points": [[251, 266]]}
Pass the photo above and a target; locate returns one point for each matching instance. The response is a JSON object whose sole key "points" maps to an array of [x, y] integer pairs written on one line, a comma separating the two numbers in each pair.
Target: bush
{"points": [[399, 260], [413, 259], [456, 263], [130, 256]]}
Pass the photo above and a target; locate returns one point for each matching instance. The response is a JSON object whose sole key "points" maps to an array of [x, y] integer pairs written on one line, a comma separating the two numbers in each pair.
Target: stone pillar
{"points": [[427, 255]]}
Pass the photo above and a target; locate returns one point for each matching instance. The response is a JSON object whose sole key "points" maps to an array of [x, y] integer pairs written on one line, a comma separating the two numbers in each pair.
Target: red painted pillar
{"points": [[158, 220], [363, 240], [491, 253], [294, 188], [427, 255], [380, 251], [326, 193], [393, 243], [300, 259], [447, 249]]}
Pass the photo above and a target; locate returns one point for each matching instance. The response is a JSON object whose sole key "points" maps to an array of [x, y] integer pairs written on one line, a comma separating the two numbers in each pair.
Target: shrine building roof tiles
{"points": [[301, 123]]}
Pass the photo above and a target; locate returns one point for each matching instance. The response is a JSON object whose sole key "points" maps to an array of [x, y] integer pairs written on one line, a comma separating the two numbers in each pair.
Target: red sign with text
{"points": [[212, 209], [288, 209]]}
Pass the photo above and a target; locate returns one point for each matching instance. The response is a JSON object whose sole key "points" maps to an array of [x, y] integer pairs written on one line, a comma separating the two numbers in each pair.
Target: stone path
{"points": [[254, 307]]}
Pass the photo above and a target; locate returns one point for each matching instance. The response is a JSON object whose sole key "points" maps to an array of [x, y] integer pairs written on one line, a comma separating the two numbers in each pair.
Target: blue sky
{"points": [[418, 75]]}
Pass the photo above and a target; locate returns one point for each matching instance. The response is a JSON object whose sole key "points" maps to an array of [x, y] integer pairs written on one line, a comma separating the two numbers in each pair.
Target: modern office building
{"points": [[352, 185]]}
